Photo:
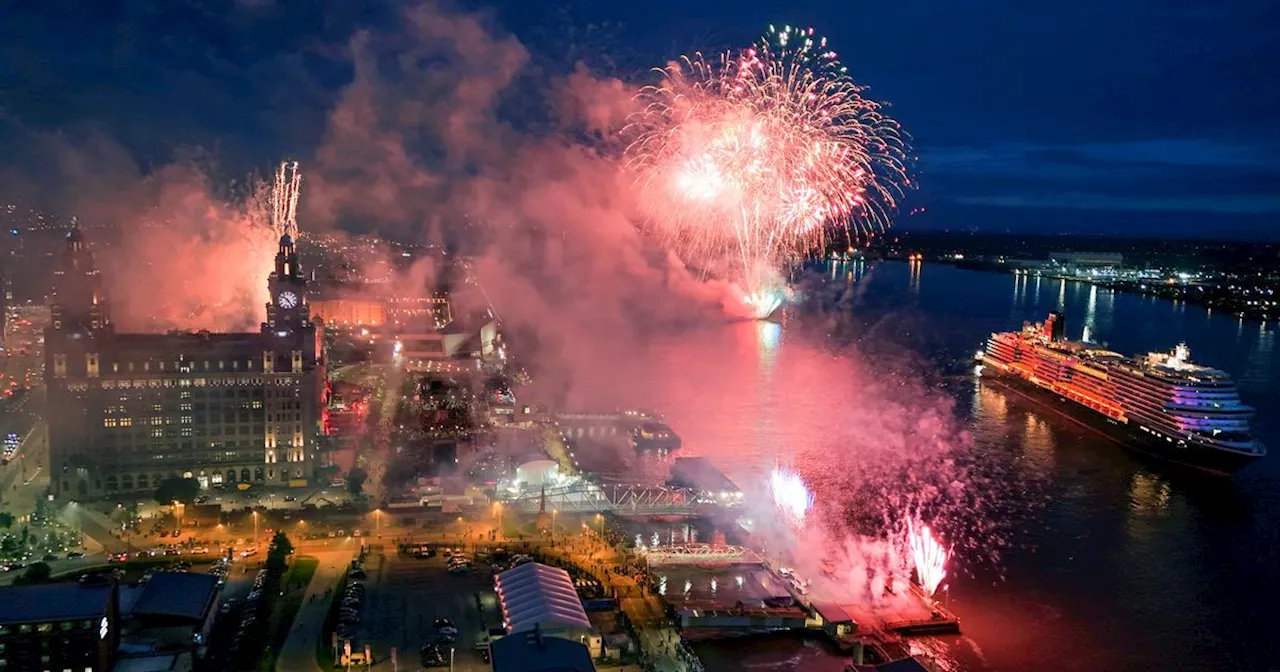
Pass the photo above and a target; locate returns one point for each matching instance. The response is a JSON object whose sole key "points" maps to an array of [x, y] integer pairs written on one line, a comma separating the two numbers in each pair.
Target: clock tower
{"points": [[287, 313]]}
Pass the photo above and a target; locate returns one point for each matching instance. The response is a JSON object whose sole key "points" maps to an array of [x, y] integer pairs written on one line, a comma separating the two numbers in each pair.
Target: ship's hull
{"points": [[1203, 458]]}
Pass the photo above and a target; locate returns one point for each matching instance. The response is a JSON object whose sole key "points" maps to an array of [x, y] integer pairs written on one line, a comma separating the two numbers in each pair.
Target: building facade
{"points": [[129, 410]]}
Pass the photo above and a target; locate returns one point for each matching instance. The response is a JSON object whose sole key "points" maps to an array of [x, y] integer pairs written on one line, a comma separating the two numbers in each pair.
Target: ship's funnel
{"points": [[1055, 328]]}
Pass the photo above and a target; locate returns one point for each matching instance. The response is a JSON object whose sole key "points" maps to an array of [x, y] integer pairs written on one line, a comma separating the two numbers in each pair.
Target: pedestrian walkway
{"points": [[299, 651]]}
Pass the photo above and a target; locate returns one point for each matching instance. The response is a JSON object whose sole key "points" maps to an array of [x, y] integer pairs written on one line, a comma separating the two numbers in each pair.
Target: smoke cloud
{"points": [[447, 134], [443, 142]]}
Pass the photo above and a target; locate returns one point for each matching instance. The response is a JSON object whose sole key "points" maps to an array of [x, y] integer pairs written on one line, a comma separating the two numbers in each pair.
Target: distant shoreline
{"points": [[1210, 300]]}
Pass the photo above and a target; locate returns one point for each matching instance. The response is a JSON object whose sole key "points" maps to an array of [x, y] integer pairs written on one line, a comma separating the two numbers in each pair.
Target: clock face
{"points": [[287, 300]]}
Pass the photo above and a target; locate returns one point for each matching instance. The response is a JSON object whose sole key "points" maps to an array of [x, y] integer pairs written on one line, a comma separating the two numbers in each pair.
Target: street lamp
{"points": [[553, 522], [497, 512], [600, 519], [255, 529], [377, 521]]}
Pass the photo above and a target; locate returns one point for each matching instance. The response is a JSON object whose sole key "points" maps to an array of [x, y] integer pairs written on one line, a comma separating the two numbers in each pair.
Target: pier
{"points": [[730, 591]]}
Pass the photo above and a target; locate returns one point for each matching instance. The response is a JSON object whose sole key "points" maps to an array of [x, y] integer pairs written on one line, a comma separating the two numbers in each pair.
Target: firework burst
{"points": [[757, 156], [284, 199], [928, 555], [790, 494]]}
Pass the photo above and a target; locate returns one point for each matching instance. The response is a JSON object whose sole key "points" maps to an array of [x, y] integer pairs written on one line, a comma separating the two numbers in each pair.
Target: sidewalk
{"points": [[299, 651]]}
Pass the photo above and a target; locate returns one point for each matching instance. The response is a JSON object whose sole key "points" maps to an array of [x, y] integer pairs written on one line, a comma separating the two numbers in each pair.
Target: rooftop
{"points": [[175, 594], [163, 662], [534, 594], [532, 652], [53, 602]]}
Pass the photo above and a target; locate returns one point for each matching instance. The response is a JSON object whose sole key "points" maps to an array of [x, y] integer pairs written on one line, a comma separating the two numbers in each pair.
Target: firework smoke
{"points": [[790, 495], [750, 160], [928, 556]]}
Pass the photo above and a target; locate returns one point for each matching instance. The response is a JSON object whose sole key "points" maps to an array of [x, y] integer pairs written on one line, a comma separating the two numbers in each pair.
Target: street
{"points": [[299, 651]]}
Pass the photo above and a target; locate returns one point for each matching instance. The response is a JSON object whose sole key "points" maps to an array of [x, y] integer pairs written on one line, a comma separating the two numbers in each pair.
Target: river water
{"points": [[1099, 560]]}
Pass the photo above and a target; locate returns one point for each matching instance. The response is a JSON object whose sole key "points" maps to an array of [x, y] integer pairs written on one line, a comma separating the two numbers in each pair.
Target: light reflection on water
{"points": [[1120, 545]]}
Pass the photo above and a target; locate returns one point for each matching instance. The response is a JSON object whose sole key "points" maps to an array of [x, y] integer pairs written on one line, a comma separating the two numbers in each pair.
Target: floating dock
{"points": [[725, 591], [909, 613]]}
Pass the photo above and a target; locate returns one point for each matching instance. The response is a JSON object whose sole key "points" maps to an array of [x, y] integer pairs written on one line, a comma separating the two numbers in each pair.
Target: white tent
{"points": [[534, 595]]}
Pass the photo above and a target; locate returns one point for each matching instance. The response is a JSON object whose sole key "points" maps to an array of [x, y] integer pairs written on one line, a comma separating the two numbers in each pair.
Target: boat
{"points": [[1161, 404]]}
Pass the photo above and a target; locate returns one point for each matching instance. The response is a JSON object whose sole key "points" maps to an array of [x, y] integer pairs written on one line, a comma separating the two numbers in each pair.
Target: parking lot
{"points": [[405, 597]]}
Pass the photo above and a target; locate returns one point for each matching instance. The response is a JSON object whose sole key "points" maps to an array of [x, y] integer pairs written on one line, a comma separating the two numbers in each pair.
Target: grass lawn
{"points": [[295, 585]]}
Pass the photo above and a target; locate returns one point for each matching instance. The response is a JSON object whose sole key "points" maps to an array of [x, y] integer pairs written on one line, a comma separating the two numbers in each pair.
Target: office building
{"points": [[129, 410]]}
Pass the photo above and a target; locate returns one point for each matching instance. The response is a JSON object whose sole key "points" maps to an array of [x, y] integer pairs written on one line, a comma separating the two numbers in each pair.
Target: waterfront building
{"points": [[129, 410], [1087, 259]]}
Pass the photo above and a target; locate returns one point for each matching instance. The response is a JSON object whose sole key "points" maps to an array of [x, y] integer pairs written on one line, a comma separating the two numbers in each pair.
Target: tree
{"points": [[355, 480], [38, 572], [172, 490], [277, 556], [281, 543], [6, 520]]}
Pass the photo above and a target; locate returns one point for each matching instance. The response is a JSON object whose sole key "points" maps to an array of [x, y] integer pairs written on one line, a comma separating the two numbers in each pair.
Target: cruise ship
{"points": [[1161, 404]]}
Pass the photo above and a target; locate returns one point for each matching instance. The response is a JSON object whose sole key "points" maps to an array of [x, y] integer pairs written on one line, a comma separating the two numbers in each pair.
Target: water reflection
{"points": [[1038, 443], [1149, 494], [1118, 546], [1258, 373], [1091, 314]]}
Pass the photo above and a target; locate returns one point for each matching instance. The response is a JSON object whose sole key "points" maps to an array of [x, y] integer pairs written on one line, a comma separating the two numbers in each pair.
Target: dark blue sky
{"points": [[1098, 115]]}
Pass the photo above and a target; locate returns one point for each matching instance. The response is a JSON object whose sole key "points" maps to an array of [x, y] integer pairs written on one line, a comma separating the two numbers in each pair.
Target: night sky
{"points": [[1137, 116]]}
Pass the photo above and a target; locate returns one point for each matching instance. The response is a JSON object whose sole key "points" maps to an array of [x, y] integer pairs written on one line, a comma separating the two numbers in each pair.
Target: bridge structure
{"points": [[621, 500], [702, 554]]}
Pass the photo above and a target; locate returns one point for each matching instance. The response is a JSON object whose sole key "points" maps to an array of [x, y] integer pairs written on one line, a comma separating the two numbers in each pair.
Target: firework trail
{"points": [[284, 199], [790, 494], [928, 556], [750, 160]]}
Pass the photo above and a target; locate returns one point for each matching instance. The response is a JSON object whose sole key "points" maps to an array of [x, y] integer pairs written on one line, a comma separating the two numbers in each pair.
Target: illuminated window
{"points": [[109, 422], [126, 422]]}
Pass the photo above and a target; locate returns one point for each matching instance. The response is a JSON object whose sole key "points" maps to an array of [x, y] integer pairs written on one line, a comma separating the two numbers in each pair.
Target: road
{"points": [[27, 476], [299, 651]]}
